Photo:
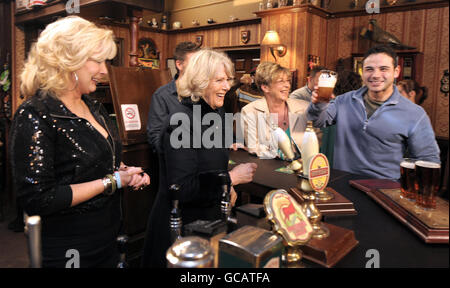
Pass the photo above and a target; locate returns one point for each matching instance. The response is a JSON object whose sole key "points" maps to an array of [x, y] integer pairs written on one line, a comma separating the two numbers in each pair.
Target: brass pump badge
{"points": [[288, 217], [319, 172]]}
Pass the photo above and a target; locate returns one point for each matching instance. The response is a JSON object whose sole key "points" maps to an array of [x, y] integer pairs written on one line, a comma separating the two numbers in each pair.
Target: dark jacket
{"points": [[196, 171], [164, 102], [52, 148]]}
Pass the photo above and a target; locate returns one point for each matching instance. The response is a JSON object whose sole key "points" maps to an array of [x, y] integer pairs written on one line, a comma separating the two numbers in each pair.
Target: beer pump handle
{"points": [[297, 152], [122, 243], [175, 220], [225, 203], [33, 231]]}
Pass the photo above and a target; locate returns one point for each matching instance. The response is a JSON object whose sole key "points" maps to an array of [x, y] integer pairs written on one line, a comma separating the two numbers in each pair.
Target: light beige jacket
{"points": [[257, 126]]}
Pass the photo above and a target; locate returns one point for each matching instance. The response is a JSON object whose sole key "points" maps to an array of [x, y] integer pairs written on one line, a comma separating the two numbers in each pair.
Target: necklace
{"points": [[284, 117]]}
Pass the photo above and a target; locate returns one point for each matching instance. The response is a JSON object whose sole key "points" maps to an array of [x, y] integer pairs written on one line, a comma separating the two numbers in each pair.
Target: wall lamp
{"points": [[272, 40]]}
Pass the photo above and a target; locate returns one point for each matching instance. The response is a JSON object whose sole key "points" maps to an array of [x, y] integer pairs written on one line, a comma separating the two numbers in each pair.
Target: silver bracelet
{"points": [[107, 185]]}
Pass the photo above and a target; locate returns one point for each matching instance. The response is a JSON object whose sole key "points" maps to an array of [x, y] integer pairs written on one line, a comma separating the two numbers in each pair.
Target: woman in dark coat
{"points": [[195, 152], [65, 150]]}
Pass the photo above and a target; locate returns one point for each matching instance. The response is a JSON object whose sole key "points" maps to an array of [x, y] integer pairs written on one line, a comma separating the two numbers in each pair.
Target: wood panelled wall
{"points": [[302, 32], [426, 29], [223, 37], [311, 31], [18, 60]]}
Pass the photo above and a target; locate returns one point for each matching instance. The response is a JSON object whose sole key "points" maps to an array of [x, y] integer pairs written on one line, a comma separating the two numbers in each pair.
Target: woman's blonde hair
{"points": [[266, 73], [62, 48], [202, 67]]}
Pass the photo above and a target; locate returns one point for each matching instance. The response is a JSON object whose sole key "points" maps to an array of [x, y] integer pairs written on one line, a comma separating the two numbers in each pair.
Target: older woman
{"points": [[196, 162], [276, 109], [65, 150]]}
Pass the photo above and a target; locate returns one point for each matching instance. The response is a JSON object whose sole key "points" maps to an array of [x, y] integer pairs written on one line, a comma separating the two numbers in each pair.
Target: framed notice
{"points": [[130, 116], [172, 67]]}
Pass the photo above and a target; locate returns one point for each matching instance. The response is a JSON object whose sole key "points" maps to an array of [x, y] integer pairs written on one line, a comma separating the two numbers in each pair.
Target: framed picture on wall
{"points": [[358, 65], [312, 62], [148, 55], [171, 66]]}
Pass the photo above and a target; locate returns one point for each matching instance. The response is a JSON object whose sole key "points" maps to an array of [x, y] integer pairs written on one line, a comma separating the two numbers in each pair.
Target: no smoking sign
{"points": [[130, 116]]}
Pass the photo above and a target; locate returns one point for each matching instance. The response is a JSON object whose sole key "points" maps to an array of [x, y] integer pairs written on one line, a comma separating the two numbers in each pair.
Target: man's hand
{"points": [[315, 96]]}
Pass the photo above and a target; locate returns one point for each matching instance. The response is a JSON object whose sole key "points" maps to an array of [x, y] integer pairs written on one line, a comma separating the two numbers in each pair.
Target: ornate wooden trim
{"points": [[59, 8], [240, 47], [390, 9], [51, 9], [296, 9], [210, 26]]}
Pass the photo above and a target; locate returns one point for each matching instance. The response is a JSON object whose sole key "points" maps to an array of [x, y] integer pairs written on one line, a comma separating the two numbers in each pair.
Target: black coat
{"points": [[195, 170], [164, 102], [52, 148]]}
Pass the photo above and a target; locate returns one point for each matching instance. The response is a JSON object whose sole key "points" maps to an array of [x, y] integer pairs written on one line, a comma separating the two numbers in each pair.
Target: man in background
{"points": [[305, 92], [165, 99]]}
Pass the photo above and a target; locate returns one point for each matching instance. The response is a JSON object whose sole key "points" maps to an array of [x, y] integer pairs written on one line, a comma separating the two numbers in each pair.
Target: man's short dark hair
{"points": [[382, 49], [315, 70], [184, 48]]}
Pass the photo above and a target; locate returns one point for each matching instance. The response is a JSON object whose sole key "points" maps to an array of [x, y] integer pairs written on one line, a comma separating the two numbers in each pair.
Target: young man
{"points": [[165, 98], [305, 92], [375, 124]]}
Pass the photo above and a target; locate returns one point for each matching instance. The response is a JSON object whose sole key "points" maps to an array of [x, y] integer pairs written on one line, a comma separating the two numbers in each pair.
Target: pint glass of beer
{"points": [[427, 180], [327, 80], [407, 178]]}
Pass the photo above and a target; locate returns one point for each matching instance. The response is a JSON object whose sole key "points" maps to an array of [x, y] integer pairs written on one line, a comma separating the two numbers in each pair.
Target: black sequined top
{"points": [[52, 148]]}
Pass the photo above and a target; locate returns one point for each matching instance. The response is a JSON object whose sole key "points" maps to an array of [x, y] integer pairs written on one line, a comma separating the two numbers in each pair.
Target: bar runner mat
{"points": [[432, 226]]}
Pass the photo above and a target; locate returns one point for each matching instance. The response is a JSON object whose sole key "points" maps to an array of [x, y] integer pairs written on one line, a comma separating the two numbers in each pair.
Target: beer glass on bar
{"points": [[327, 80], [427, 180], [407, 178]]}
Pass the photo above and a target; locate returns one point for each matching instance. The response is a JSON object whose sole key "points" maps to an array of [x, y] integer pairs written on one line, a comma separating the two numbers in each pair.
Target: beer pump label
{"points": [[288, 217], [319, 172]]}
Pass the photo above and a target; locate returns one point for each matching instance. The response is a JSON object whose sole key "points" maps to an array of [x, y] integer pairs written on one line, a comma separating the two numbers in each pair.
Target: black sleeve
{"points": [[32, 154], [182, 168], [157, 118]]}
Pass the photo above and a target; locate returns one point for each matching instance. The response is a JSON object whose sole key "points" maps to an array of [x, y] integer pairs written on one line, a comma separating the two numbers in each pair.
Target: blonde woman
{"points": [[195, 166], [276, 109], [65, 151]]}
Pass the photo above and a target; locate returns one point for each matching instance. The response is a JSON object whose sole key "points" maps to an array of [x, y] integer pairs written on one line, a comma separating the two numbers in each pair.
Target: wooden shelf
{"points": [[212, 26], [390, 9], [58, 8], [296, 9], [353, 12]]}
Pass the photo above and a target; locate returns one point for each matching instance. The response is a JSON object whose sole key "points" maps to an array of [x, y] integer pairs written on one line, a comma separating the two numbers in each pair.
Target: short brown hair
{"points": [[184, 48], [267, 71], [315, 70], [382, 49]]}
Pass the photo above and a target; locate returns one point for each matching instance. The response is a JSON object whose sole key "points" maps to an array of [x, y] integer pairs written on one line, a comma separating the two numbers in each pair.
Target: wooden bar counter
{"points": [[379, 233]]}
